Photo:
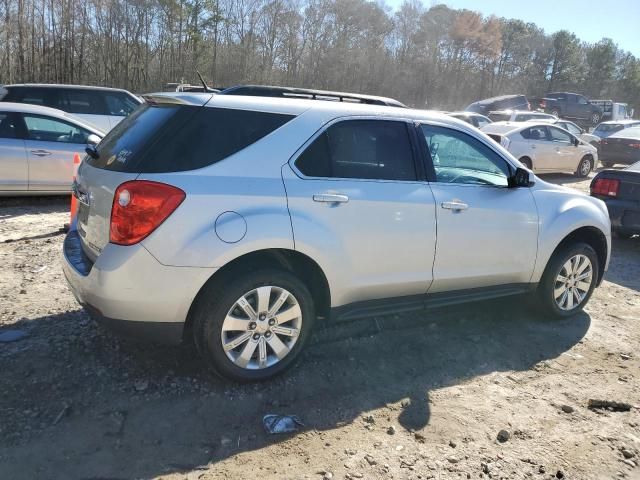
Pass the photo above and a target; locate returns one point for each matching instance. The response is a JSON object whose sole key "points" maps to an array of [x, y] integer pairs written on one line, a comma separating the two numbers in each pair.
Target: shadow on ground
{"points": [[624, 269], [108, 409], [16, 206]]}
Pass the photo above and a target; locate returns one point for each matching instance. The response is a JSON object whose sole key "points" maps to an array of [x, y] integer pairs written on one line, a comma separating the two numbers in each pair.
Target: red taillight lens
{"points": [[606, 187], [139, 207]]}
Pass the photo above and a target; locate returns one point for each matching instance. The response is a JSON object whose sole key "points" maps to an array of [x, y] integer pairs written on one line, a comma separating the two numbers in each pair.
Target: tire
{"points": [[219, 299], [595, 118], [526, 161], [555, 112], [556, 266], [584, 167]]}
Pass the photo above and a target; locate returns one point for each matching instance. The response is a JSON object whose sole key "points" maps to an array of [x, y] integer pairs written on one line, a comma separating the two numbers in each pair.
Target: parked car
{"points": [[475, 119], [613, 110], [620, 190], [621, 147], [544, 148], [37, 145], [572, 106], [604, 129], [99, 106], [258, 217], [518, 116], [503, 102], [575, 130]]}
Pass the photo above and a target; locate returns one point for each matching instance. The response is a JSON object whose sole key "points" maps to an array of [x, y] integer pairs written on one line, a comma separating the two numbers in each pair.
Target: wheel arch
{"points": [[301, 265], [524, 159], [593, 237]]}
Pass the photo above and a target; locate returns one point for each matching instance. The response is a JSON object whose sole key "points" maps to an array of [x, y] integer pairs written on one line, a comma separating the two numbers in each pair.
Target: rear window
{"points": [[499, 117], [156, 139], [608, 128]]}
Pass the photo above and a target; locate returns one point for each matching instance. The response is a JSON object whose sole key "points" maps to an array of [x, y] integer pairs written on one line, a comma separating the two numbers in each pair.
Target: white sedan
{"points": [[37, 145], [544, 148]]}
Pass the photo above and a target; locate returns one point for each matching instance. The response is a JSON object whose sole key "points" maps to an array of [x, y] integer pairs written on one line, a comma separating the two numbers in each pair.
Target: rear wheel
{"points": [[526, 161], [595, 118], [584, 167], [569, 280], [555, 112], [254, 327]]}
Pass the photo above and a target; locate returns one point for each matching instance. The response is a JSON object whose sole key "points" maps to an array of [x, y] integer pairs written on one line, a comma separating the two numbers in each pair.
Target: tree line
{"points": [[434, 57]]}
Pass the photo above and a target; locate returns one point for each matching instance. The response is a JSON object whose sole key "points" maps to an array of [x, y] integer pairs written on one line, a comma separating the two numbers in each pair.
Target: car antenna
{"points": [[204, 84]]}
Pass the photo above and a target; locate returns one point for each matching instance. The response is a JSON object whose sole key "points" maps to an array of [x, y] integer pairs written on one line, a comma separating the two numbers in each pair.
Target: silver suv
{"points": [[239, 222]]}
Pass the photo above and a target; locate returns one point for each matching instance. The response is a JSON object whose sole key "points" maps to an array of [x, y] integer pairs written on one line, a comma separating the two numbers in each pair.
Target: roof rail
{"points": [[306, 93]]}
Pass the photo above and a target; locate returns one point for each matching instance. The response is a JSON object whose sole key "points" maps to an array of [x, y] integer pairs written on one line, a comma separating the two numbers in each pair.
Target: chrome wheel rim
{"points": [[573, 282], [261, 327], [585, 167], [595, 118]]}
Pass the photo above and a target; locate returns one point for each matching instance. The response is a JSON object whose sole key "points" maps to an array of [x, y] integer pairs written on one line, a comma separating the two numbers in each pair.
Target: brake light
{"points": [[139, 207], [606, 187]]}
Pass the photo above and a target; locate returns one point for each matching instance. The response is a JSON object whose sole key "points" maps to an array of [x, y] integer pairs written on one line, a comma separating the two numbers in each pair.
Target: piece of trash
{"points": [[12, 336], [609, 404], [65, 410], [39, 269], [281, 423]]}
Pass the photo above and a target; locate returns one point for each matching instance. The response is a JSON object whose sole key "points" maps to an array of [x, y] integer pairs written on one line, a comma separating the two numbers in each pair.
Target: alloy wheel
{"points": [[573, 282], [585, 167], [261, 327]]}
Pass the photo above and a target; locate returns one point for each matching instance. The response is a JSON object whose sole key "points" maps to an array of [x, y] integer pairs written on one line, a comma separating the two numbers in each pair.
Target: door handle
{"points": [[533, 146], [40, 153], [455, 205], [330, 198]]}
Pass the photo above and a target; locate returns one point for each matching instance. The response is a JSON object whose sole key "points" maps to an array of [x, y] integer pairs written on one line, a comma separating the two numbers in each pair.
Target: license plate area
{"points": [[83, 213]]}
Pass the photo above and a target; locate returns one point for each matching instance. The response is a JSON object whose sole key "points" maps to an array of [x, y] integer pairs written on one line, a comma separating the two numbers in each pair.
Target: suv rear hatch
{"points": [[117, 159]]}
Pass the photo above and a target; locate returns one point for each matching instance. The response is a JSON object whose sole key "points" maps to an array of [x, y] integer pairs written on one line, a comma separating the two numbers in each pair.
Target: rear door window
{"points": [[156, 139], [8, 125], [559, 136], [82, 101], [537, 133], [361, 149]]}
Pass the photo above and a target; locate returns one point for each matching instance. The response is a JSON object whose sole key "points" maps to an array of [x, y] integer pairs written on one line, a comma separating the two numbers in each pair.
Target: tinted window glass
{"points": [[499, 117], [535, 133], [34, 96], [570, 127], [364, 149], [460, 158], [80, 101], [8, 128], [120, 104], [47, 129], [177, 138]]}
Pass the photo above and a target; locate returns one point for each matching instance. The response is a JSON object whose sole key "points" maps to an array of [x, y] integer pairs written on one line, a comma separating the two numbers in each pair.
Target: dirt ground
{"points": [[406, 397]]}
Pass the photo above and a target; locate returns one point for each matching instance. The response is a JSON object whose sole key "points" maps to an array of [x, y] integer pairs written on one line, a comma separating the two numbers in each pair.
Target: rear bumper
{"points": [[624, 215], [624, 159], [130, 292]]}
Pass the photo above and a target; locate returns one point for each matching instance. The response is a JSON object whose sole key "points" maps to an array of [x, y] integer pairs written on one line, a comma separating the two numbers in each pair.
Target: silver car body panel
{"points": [[389, 239]]}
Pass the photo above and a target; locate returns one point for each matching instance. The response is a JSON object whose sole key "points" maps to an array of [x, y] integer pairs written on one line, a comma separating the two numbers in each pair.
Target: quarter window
{"points": [[47, 129], [363, 149], [460, 158], [119, 104]]}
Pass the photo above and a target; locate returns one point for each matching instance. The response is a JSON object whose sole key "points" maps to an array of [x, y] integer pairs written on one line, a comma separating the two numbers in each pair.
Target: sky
{"points": [[590, 20]]}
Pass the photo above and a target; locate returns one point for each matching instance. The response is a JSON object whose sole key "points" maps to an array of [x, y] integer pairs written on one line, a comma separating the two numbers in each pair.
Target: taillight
{"points": [[605, 187], [139, 207]]}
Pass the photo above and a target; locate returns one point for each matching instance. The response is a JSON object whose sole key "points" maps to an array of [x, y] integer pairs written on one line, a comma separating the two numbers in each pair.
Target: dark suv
{"points": [[572, 106]]}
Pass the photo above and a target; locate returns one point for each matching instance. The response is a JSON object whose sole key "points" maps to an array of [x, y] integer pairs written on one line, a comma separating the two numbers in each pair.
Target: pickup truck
{"points": [[571, 106]]}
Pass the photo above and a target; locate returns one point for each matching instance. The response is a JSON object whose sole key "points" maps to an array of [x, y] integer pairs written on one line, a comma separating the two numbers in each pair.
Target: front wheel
{"points": [[255, 327], [595, 118], [584, 167], [555, 113], [569, 280]]}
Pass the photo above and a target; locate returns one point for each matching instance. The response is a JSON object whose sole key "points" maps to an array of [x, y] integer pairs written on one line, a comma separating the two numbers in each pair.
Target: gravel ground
{"points": [[490, 390]]}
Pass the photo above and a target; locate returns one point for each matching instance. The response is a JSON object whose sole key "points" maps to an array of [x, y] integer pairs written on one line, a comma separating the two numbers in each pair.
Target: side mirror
{"points": [[522, 178], [93, 139]]}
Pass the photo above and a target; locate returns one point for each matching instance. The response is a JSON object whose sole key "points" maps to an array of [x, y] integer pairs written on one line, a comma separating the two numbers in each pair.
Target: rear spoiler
{"points": [[177, 98]]}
